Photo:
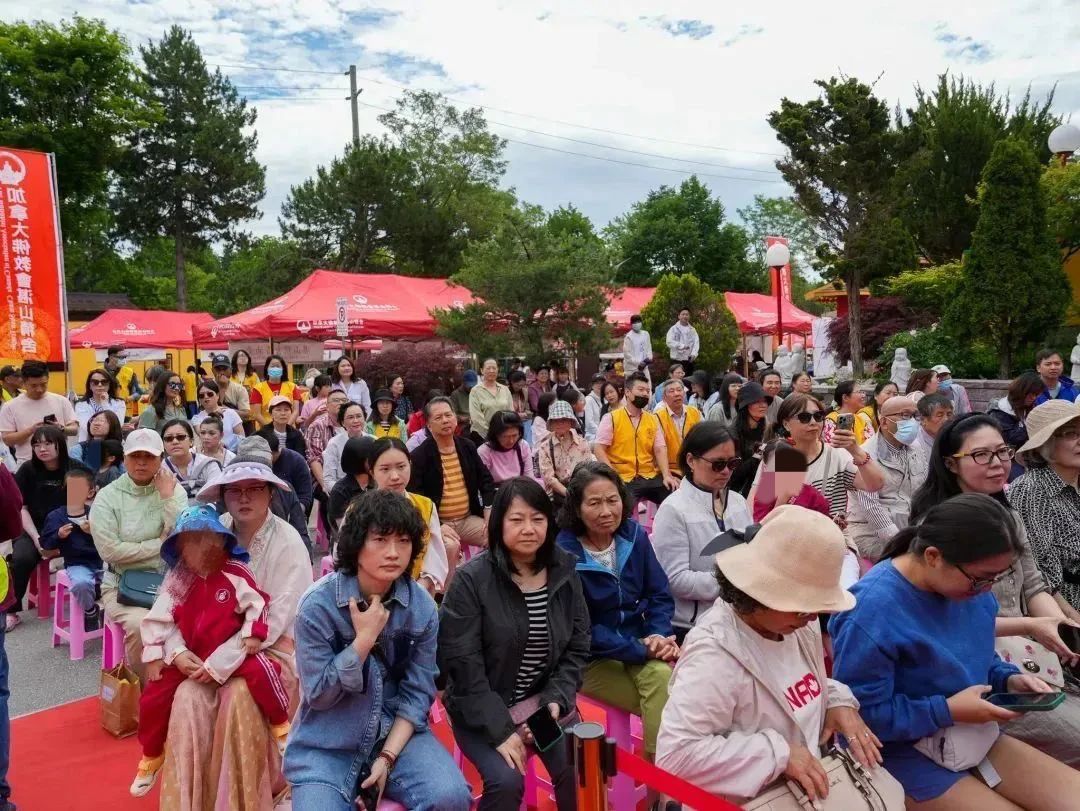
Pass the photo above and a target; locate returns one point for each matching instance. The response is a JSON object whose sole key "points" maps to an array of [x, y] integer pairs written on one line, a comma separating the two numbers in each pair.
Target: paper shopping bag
{"points": [[120, 695]]}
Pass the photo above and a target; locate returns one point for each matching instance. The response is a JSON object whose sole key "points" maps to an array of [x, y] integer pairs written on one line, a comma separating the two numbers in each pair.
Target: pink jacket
{"points": [[726, 725]]}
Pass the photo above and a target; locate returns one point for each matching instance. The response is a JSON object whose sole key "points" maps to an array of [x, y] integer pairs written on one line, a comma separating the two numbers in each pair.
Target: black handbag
{"points": [[139, 588]]}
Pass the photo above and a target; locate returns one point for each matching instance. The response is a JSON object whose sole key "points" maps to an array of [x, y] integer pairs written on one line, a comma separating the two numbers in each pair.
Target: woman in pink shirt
{"points": [[506, 454]]}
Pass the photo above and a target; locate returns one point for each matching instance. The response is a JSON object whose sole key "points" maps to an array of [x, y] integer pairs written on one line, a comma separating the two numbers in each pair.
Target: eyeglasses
{"points": [[806, 416], [240, 493], [982, 583], [175, 437], [176, 386], [983, 456], [98, 381], [205, 395], [717, 465], [1070, 434], [907, 415]]}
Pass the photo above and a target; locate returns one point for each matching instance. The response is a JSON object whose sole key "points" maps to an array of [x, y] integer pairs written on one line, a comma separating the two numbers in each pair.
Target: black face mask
{"points": [[640, 402]]}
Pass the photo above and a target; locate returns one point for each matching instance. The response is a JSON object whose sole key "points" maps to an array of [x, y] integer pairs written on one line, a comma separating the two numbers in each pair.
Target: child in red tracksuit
{"points": [[208, 622]]}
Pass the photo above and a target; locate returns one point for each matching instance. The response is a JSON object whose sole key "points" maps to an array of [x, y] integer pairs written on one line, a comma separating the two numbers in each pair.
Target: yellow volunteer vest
{"points": [[425, 506], [631, 451], [672, 436], [267, 393]]}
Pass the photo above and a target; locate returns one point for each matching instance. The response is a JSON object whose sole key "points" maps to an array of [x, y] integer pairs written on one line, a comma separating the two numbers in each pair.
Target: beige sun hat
{"points": [[792, 564], [1045, 419]]}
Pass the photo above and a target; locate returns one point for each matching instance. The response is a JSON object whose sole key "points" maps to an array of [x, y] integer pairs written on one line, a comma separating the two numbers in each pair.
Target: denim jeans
{"points": [[84, 581], [5, 723], [424, 779]]}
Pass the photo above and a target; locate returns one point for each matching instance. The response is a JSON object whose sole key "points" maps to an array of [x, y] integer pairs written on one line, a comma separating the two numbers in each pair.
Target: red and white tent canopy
{"points": [[755, 313], [141, 329], [377, 305]]}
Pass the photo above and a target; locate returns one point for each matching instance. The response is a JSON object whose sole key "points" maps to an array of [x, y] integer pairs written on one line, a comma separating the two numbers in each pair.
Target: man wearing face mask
{"points": [[953, 390], [631, 441], [874, 518], [637, 349]]}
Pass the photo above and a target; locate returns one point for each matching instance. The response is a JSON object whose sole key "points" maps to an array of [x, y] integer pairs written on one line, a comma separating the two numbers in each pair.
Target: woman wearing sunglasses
{"points": [[166, 403], [209, 394], [699, 510], [100, 396], [971, 456], [835, 468]]}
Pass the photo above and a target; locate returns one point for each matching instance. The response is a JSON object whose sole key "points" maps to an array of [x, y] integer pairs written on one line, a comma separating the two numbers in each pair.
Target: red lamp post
{"points": [[776, 257]]}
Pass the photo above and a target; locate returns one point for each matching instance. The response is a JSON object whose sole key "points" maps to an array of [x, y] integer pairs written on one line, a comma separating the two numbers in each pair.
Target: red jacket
{"points": [[10, 506]]}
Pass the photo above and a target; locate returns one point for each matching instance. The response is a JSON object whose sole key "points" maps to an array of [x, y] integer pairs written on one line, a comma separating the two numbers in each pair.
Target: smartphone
{"points": [[1070, 635], [545, 730], [846, 422], [1026, 702], [49, 419]]}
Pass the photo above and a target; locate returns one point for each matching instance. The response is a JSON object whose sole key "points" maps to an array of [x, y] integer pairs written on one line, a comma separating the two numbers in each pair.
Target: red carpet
{"points": [[61, 758]]}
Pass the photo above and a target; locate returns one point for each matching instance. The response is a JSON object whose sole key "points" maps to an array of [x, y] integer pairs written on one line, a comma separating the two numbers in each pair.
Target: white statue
{"points": [[798, 359], [782, 364], [901, 369], [1075, 358]]}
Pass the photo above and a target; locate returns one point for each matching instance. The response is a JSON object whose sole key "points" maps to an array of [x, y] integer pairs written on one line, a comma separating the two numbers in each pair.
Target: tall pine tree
{"points": [[190, 175], [1012, 290]]}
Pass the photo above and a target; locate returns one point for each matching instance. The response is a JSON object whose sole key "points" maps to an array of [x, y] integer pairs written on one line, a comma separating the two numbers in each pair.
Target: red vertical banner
{"points": [[785, 275], [33, 320]]}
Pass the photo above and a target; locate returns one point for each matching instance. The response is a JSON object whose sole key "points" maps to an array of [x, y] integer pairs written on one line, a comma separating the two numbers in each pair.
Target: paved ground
{"points": [[42, 676]]}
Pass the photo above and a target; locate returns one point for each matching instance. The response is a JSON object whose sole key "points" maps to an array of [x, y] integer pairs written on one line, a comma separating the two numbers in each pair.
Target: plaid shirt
{"points": [[318, 436]]}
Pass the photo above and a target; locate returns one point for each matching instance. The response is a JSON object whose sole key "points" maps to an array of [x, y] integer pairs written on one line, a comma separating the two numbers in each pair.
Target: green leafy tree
{"points": [[709, 314], [192, 174], [840, 162], [929, 289], [453, 198], [683, 231], [1012, 289], [538, 286], [254, 271], [928, 346], [155, 289], [947, 137], [72, 89], [340, 218], [1061, 187]]}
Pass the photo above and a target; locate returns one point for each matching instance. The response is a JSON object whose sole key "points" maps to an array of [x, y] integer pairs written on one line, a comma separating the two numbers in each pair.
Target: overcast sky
{"points": [[689, 83]]}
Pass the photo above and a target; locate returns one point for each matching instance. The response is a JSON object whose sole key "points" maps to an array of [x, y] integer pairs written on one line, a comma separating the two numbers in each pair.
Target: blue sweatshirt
{"points": [[1066, 391], [627, 607], [904, 651], [77, 548]]}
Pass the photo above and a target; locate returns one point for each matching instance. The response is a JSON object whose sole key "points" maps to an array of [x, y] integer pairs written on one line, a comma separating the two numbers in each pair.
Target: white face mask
{"points": [[636, 327]]}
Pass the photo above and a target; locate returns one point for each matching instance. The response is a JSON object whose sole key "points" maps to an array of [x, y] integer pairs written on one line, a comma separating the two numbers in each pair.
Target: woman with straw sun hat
{"points": [[749, 701]]}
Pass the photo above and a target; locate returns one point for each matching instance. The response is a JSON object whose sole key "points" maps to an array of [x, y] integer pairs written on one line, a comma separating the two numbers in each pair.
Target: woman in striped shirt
{"points": [[514, 638]]}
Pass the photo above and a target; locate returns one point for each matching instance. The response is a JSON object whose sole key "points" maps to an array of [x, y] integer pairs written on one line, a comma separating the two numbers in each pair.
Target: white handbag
{"points": [[961, 746], [852, 787]]}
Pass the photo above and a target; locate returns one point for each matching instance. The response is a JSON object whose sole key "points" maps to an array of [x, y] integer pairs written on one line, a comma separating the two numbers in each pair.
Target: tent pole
{"points": [[745, 358]]}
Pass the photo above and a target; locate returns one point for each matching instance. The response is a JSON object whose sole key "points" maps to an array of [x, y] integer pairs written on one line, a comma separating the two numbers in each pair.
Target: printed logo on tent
{"points": [[12, 169], [359, 299], [130, 326], [303, 327], [132, 329], [213, 332], [361, 303], [458, 304]]}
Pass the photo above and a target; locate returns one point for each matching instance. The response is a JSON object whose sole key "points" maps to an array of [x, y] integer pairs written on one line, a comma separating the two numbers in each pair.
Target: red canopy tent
{"points": [[141, 329], [378, 306], [626, 304], [755, 313]]}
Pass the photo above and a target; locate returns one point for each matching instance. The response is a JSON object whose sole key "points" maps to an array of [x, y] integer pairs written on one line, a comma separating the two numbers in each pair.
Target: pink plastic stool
{"points": [[646, 521], [112, 645], [533, 782], [390, 805], [70, 628], [322, 540], [326, 566], [40, 591], [620, 725]]}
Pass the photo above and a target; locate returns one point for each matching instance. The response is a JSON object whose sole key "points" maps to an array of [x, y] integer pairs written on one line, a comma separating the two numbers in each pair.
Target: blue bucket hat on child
{"points": [[201, 518]]}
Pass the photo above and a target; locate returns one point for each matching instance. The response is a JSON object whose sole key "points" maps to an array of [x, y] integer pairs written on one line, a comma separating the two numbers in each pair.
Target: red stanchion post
{"points": [[594, 764]]}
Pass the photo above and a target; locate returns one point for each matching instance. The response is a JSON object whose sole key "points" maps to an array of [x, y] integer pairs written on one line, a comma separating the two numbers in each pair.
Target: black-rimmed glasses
{"points": [[979, 584], [983, 456]]}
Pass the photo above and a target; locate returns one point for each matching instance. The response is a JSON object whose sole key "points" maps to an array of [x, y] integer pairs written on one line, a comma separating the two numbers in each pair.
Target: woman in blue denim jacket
{"points": [[365, 650]]}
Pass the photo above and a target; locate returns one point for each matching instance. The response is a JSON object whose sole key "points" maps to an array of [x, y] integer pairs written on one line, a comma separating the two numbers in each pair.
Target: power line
{"points": [[614, 160], [373, 80], [283, 87]]}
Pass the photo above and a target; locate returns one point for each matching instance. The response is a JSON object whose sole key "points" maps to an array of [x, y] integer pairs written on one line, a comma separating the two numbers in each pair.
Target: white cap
{"points": [[277, 400], [941, 369], [144, 440]]}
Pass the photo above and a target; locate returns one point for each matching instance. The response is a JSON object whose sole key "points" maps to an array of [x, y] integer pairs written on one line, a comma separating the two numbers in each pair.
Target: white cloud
{"points": [[608, 66]]}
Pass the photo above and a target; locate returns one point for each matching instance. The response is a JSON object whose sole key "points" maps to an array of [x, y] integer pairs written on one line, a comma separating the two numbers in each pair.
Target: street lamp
{"points": [[1064, 140], [776, 257]]}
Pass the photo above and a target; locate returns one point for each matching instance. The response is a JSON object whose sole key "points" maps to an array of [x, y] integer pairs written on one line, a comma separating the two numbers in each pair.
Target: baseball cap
{"points": [[144, 440], [941, 369], [277, 400], [219, 361], [470, 376]]}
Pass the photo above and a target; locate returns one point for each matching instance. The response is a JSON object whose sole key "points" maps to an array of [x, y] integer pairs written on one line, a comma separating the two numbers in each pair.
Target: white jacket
{"points": [[593, 406], [683, 525], [683, 342], [726, 725]]}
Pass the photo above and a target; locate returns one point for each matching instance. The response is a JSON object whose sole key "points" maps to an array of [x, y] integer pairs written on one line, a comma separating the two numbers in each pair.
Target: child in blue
{"points": [[67, 530], [918, 653]]}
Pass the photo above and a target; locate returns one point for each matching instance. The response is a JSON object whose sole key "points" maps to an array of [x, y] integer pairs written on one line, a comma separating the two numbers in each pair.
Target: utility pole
{"points": [[354, 94]]}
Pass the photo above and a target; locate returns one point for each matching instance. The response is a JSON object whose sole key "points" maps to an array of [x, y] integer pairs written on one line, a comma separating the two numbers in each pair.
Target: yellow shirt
{"points": [[455, 498]]}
